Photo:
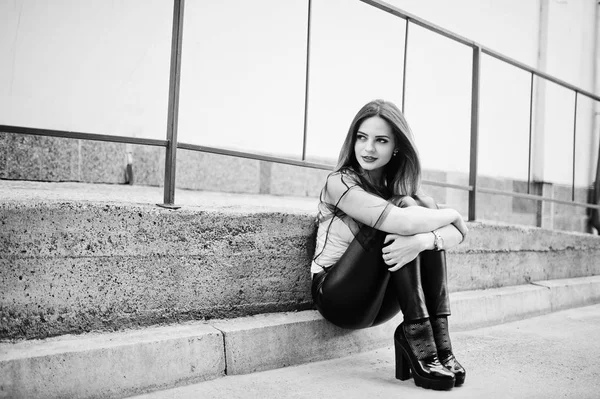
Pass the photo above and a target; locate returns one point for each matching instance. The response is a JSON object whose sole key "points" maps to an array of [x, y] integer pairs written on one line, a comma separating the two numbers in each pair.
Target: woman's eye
{"points": [[360, 137], [383, 140]]}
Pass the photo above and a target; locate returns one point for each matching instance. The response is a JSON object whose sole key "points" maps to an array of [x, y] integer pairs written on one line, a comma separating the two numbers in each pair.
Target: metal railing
{"points": [[478, 49], [171, 143]]}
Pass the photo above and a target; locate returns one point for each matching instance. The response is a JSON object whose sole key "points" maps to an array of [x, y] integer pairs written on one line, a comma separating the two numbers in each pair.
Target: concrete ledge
{"points": [[573, 292], [472, 309], [126, 363], [111, 365], [264, 342]]}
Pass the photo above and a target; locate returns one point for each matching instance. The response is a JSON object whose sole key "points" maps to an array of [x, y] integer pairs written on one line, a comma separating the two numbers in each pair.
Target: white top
{"points": [[342, 197]]}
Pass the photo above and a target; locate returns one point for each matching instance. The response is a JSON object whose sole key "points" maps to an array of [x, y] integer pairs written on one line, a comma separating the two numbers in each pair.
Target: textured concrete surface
{"points": [[77, 257], [499, 305], [204, 171], [73, 267], [572, 292], [38, 158], [114, 364], [83, 257], [552, 356], [269, 341], [111, 365]]}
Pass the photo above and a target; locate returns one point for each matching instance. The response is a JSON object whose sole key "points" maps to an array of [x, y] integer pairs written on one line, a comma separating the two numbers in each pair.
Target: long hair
{"points": [[402, 175]]}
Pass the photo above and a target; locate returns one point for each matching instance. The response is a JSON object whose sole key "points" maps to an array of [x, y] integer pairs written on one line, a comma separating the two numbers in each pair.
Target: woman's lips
{"points": [[369, 159]]}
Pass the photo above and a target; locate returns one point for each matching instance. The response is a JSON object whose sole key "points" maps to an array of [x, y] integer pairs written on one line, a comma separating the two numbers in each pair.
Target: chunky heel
{"points": [[402, 365], [427, 373]]}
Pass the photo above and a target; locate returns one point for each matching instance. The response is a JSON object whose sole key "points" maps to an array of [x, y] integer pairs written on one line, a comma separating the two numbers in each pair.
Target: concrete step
{"points": [[76, 258], [548, 356], [119, 364]]}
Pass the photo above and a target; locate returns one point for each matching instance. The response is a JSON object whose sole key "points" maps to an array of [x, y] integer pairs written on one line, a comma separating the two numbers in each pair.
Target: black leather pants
{"points": [[422, 286], [358, 291]]}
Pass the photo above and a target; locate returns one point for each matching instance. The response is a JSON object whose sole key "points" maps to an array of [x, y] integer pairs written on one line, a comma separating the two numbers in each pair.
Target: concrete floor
{"points": [[551, 356]]}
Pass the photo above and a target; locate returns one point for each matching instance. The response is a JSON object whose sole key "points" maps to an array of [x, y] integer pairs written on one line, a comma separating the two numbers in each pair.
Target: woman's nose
{"points": [[369, 146]]}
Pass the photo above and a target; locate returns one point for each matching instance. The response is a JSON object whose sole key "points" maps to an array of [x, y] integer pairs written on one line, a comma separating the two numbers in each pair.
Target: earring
{"points": [[395, 153]]}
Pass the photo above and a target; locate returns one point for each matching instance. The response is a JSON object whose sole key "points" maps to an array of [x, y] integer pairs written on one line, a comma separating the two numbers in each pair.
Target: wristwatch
{"points": [[438, 243]]}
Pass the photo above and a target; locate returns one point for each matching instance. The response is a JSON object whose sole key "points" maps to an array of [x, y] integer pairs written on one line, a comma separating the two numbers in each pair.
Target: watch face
{"points": [[439, 241]]}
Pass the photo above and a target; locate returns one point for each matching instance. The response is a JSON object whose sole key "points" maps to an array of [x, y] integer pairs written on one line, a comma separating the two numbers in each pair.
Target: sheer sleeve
{"points": [[344, 191]]}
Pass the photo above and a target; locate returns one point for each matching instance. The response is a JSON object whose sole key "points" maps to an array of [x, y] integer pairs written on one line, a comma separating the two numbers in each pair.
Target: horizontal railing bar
{"points": [[511, 194], [84, 136], [460, 39], [249, 155], [539, 73], [418, 21], [447, 185], [536, 198]]}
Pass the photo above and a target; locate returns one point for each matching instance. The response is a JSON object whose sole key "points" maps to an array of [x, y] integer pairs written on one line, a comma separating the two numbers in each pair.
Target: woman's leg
{"points": [[408, 280], [421, 291], [433, 271], [434, 281], [354, 293], [435, 286], [414, 339], [409, 290]]}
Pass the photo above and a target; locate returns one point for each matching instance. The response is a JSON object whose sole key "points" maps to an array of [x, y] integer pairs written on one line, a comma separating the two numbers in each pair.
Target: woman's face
{"points": [[375, 144]]}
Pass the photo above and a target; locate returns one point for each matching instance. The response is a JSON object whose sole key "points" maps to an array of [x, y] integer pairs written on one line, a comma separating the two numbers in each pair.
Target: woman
{"points": [[380, 247]]}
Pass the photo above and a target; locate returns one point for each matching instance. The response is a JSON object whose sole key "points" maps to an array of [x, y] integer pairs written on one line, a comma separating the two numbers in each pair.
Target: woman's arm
{"points": [[416, 219], [376, 212], [403, 249]]}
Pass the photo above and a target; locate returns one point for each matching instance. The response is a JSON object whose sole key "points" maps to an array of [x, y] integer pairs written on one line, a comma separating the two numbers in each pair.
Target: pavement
{"points": [[551, 356]]}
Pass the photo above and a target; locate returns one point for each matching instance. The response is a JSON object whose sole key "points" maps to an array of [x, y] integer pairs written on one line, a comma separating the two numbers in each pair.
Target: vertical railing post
{"points": [[404, 67], [306, 83], [574, 145], [173, 112], [474, 131], [530, 135]]}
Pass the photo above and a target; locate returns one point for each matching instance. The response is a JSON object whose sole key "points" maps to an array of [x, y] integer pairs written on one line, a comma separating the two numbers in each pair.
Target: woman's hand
{"points": [[401, 250], [460, 224], [428, 202]]}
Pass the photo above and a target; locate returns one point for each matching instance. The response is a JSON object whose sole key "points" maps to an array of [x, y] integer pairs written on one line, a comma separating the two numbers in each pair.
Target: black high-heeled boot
{"points": [[441, 336], [415, 350]]}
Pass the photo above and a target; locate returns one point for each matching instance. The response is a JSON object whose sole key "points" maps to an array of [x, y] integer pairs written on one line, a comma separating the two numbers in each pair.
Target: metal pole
{"points": [[474, 131], [404, 68], [574, 146], [307, 81], [530, 129], [173, 112]]}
